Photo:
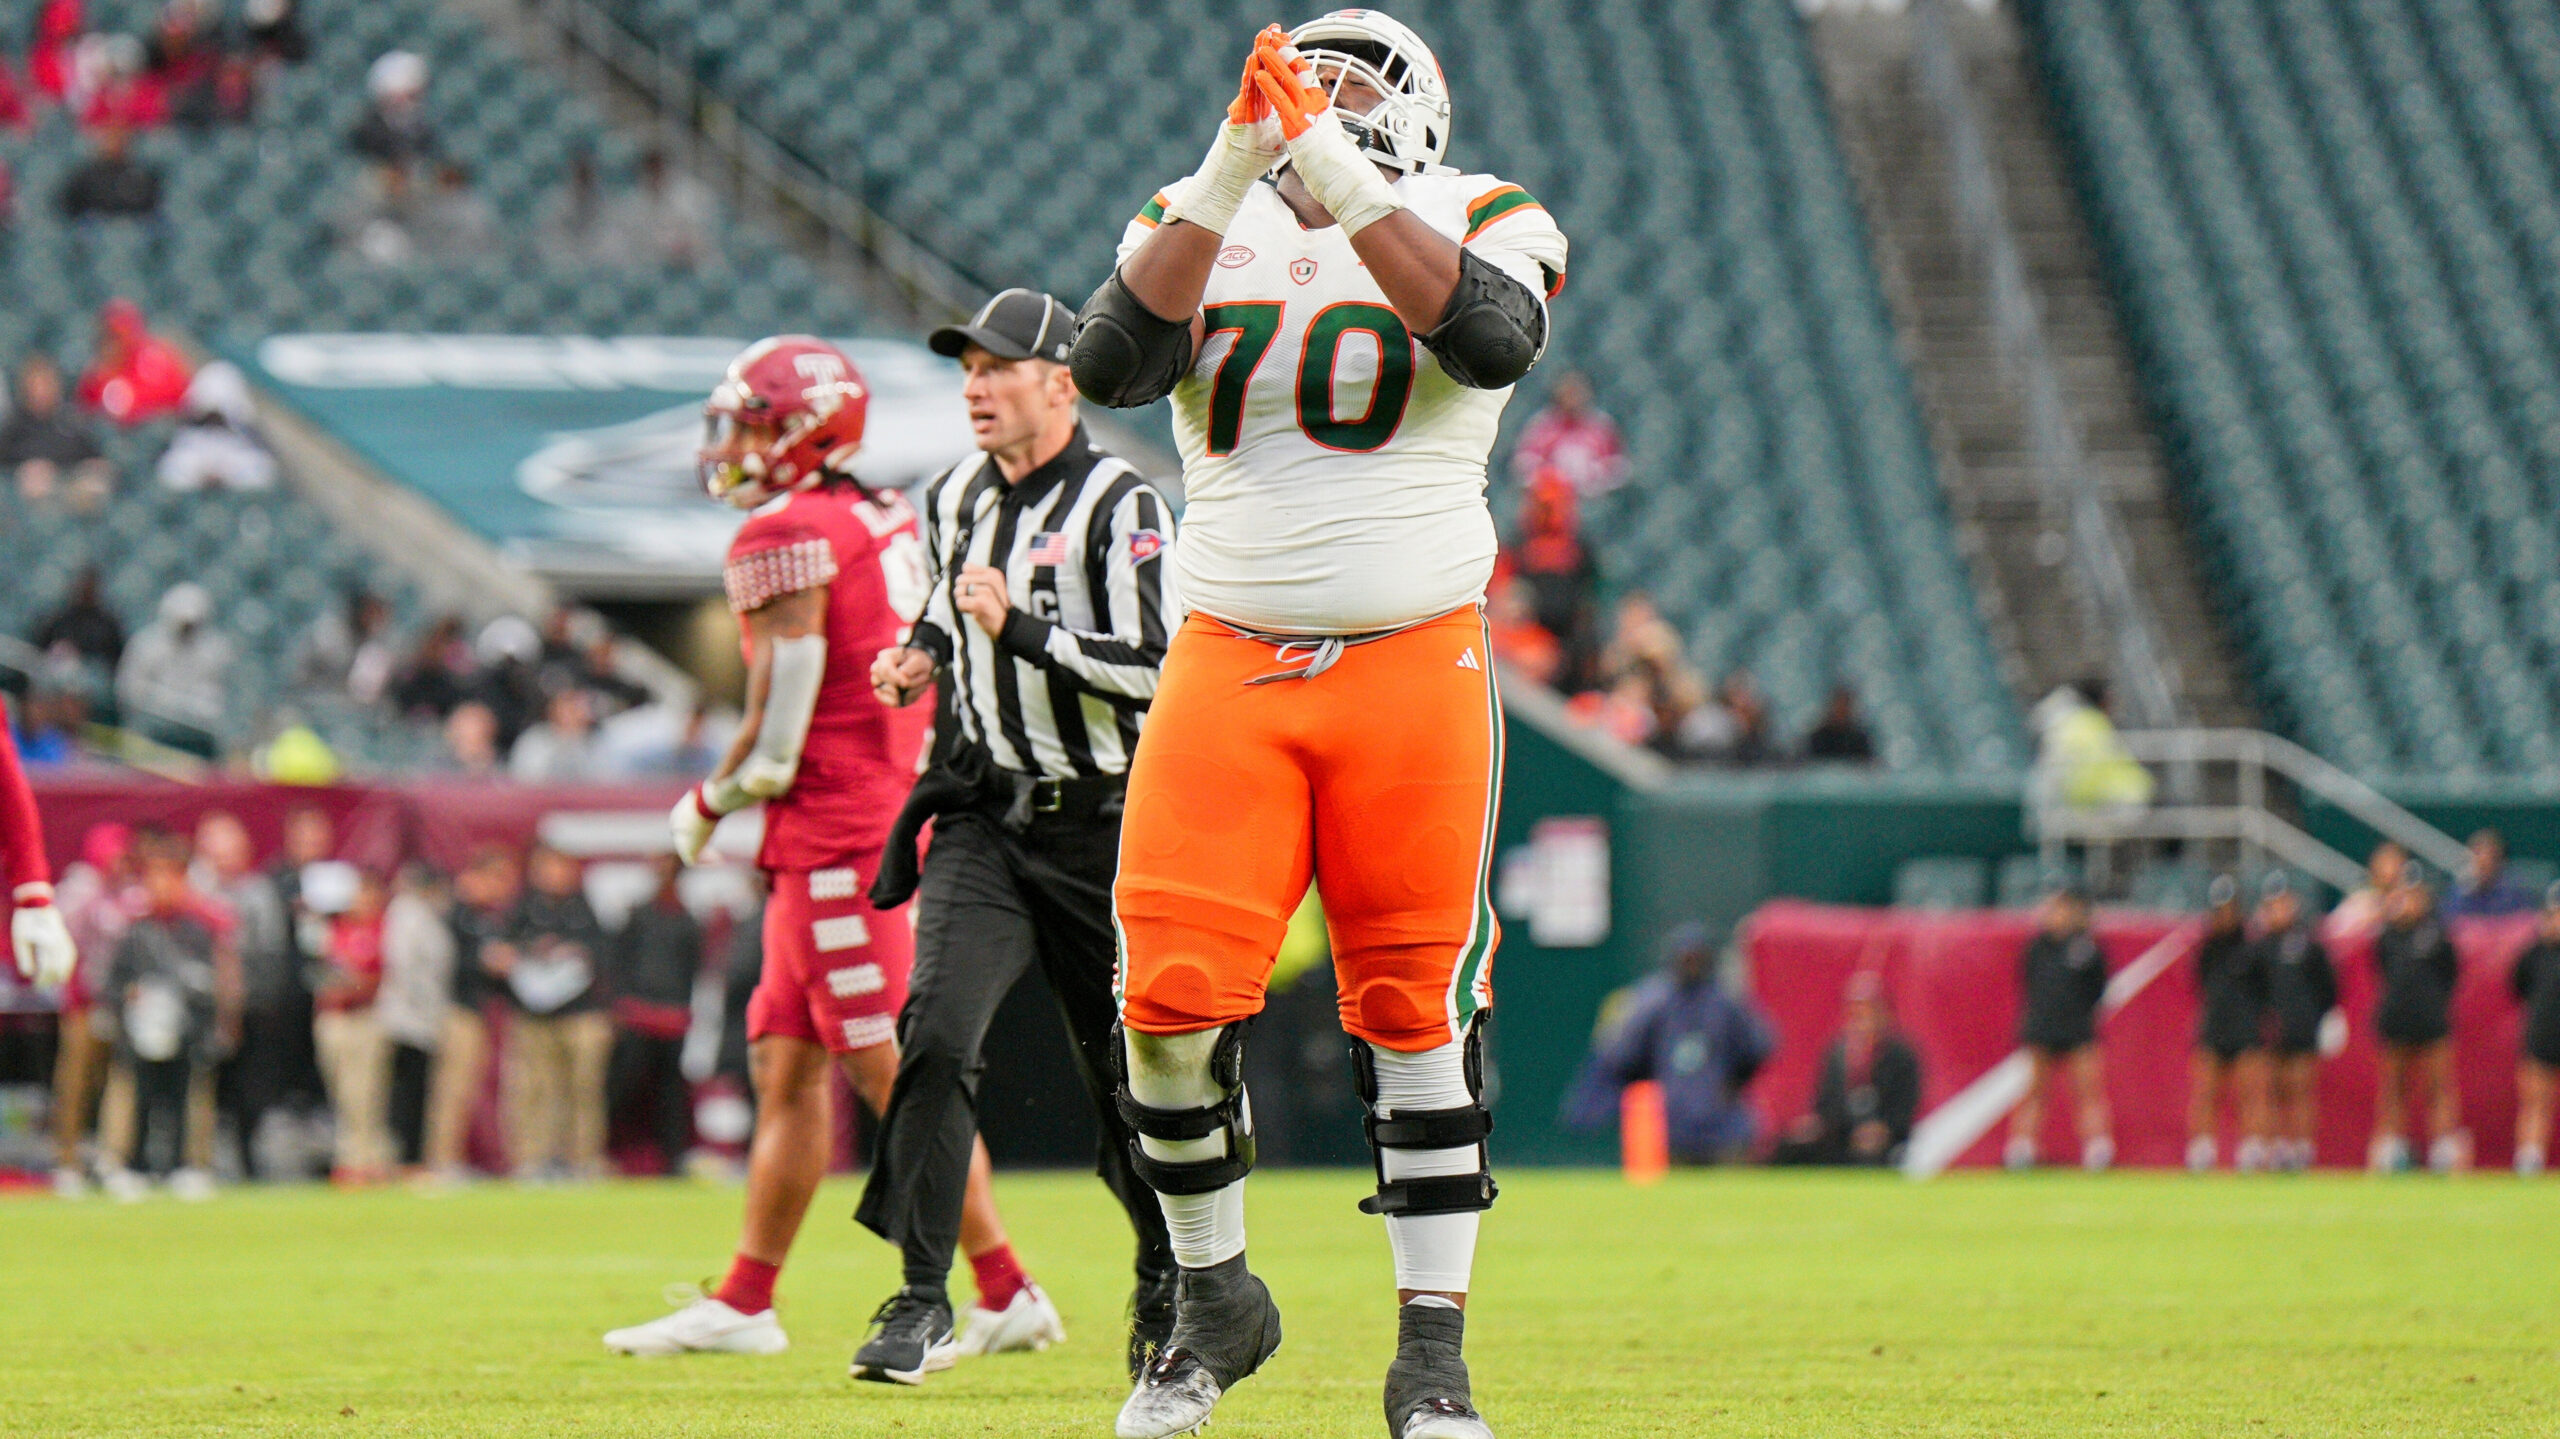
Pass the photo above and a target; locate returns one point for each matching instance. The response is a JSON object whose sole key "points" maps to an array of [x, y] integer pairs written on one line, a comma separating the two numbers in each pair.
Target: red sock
{"points": [[1000, 1277], [749, 1287]]}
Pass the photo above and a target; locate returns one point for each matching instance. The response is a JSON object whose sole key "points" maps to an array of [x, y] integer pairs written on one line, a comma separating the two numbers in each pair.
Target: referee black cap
{"points": [[1018, 324]]}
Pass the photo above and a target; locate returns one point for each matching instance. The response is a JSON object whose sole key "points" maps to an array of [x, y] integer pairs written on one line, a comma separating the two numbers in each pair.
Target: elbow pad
{"points": [[1124, 354], [1493, 330], [791, 700]]}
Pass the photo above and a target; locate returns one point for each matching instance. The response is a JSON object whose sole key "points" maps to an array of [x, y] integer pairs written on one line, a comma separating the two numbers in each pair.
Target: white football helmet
{"points": [[1409, 129]]}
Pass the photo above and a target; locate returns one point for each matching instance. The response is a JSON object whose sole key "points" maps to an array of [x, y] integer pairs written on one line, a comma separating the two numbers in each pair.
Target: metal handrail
{"points": [[2260, 751], [2144, 669]]}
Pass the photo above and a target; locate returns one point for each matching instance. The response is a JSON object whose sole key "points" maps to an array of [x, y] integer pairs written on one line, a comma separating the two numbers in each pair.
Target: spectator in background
{"points": [[1840, 737], [437, 676], [2488, 891], [1572, 439], [1679, 1029], [649, 971], [484, 900], [1525, 647], [571, 223], [1869, 1094], [136, 375], [355, 1057], [97, 899], [667, 221], [47, 447], [2062, 977], [84, 628], [1748, 743], [2229, 1059], [562, 1038], [471, 743], [561, 749], [217, 445], [418, 959], [2361, 912], [2080, 759], [271, 32], [310, 848], [452, 222], [253, 1081], [47, 726], [59, 25], [348, 649], [171, 683], [395, 130], [2301, 1023], [1549, 558], [205, 84], [509, 675], [175, 984], [2535, 982], [2413, 1018], [111, 87]]}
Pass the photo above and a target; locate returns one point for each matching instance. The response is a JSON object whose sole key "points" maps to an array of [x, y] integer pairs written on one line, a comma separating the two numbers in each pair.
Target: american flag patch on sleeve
{"points": [[759, 577], [1049, 547]]}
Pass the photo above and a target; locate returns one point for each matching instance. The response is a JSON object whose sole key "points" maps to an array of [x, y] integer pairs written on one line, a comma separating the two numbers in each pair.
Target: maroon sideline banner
{"points": [[1953, 982]]}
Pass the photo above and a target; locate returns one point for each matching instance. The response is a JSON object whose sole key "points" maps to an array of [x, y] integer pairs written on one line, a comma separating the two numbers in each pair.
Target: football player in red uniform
{"points": [[38, 939], [825, 574]]}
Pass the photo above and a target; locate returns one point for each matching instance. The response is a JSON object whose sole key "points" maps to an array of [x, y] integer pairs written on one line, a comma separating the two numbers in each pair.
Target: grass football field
{"points": [[1739, 1303]]}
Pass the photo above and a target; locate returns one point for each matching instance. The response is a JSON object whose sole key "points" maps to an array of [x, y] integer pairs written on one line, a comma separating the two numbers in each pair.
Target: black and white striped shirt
{"points": [[1085, 544]]}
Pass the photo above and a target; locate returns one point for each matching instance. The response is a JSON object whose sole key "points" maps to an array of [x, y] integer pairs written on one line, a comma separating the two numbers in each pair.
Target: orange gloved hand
{"points": [[1287, 82], [1250, 105]]}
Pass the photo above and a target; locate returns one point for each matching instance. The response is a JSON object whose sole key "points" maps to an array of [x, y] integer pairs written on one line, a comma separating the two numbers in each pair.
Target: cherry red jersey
{"points": [[861, 756], [22, 859]]}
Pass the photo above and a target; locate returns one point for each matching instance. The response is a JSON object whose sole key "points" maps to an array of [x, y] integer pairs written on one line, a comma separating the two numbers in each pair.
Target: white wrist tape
{"points": [[1242, 155], [1343, 180]]}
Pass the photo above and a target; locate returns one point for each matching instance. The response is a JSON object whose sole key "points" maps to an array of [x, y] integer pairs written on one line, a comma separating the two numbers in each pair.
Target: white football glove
{"points": [[2333, 1034], [1248, 145], [42, 944], [692, 822]]}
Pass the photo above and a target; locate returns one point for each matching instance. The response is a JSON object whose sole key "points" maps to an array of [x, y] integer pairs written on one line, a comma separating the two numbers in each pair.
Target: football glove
{"points": [[692, 823], [1248, 145], [41, 942], [1343, 180]]}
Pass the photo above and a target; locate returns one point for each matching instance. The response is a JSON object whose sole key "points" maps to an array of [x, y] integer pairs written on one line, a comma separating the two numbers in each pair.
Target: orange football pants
{"points": [[1379, 778]]}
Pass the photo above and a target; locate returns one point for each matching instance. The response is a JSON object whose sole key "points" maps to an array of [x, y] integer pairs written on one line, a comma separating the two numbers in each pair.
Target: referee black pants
{"points": [[993, 901]]}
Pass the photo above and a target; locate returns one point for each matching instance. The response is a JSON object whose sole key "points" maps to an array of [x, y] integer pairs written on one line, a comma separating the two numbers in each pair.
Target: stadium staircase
{"points": [[2331, 227], [1943, 304], [1783, 505], [243, 249]]}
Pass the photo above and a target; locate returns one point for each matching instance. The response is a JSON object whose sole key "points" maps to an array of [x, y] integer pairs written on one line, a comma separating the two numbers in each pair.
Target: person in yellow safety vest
{"points": [[2080, 758]]}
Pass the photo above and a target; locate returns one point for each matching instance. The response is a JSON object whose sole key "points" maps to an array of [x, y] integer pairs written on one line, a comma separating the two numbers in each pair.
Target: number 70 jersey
{"points": [[1334, 476]]}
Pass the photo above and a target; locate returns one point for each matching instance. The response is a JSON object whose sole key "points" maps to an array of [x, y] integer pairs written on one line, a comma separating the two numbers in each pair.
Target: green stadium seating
{"points": [[2333, 225], [242, 250], [1784, 506]]}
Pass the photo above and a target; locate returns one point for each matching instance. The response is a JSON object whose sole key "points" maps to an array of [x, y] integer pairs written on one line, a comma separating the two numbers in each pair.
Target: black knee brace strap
{"points": [[1231, 1116], [1427, 1129]]}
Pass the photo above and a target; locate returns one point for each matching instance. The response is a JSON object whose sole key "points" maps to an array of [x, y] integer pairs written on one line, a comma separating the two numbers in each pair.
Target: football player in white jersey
{"points": [[1339, 319]]}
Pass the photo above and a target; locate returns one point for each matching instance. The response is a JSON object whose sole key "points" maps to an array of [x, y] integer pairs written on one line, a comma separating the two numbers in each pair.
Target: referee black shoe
{"points": [[910, 1338], [1150, 1320], [1427, 1392], [1224, 1327]]}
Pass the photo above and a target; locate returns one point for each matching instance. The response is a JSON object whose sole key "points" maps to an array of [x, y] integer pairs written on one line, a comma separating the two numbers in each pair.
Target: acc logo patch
{"points": [[1302, 270], [1234, 257], [1144, 545]]}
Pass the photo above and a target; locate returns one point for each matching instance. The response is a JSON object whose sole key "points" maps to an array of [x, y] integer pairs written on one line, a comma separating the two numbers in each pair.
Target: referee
{"points": [[1050, 607]]}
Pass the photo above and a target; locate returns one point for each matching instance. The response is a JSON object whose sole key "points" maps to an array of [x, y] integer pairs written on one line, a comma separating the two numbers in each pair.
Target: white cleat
{"points": [[191, 1185], [2200, 1154], [1169, 1402], [705, 1326], [1438, 1424], [126, 1187], [1026, 1326], [70, 1183]]}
